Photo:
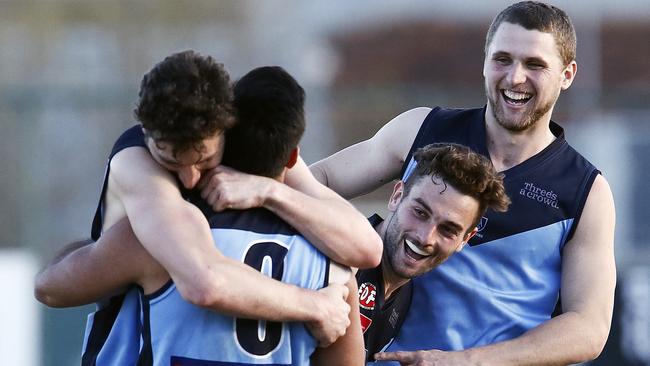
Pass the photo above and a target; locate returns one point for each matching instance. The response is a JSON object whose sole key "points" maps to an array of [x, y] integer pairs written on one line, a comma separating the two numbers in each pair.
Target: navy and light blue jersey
{"points": [[112, 334], [507, 280], [178, 333], [132, 137]]}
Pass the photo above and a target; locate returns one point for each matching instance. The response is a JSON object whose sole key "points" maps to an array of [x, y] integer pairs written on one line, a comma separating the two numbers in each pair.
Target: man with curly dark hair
{"points": [[185, 106], [432, 215]]}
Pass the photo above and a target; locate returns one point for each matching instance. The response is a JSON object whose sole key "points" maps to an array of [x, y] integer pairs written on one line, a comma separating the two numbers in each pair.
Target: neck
{"points": [[392, 281], [510, 148]]}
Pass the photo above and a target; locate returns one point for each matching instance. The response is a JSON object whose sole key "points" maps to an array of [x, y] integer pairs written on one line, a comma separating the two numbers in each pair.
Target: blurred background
{"points": [[70, 72]]}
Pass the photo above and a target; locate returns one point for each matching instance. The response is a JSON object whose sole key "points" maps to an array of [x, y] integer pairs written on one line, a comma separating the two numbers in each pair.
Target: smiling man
{"points": [[431, 216], [494, 302]]}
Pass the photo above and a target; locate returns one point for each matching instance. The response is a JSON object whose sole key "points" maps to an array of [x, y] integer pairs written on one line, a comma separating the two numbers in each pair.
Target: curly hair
{"points": [[468, 172], [185, 99], [542, 17]]}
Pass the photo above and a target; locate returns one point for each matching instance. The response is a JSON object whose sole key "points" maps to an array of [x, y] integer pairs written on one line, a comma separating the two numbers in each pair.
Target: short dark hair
{"points": [[468, 172], [269, 105], [542, 17], [185, 99]]}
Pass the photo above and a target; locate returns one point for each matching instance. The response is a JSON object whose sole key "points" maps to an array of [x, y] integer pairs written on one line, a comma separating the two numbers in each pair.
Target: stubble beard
{"points": [[392, 243], [525, 122]]}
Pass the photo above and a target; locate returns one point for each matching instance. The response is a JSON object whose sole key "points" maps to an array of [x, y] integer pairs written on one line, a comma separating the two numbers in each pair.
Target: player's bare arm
{"points": [[118, 260], [323, 217], [588, 281], [81, 275], [201, 273], [349, 349], [166, 224], [367, 165]]}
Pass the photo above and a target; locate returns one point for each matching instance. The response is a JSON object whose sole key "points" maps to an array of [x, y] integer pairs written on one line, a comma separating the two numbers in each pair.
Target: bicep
{"points": [[348, 349], [588, 265], [171, 229], [367, 165]]}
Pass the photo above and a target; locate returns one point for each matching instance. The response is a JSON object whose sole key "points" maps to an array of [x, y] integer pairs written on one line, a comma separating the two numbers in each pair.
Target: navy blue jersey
{"points": [[178, 333], [112, 332], [381, 318], [507, 280], [134, 136]]}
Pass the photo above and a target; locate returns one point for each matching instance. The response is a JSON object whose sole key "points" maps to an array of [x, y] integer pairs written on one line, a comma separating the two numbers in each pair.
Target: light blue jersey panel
{"points": [[122, 345], [183, 334]]}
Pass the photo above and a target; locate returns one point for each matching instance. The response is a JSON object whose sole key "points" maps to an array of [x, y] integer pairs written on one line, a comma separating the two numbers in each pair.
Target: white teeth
{"points": [[415, 248], [516, 95]]}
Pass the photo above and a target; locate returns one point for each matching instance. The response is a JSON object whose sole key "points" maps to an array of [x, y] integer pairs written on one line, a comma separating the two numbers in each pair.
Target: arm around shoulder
{"points": [[365, 166]]}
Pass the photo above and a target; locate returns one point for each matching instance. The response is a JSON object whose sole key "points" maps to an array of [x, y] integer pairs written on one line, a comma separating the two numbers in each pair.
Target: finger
{"points": [[212, 198], [210, 186], [400, 356], [205, 179], [346, 292], [324, 343]]}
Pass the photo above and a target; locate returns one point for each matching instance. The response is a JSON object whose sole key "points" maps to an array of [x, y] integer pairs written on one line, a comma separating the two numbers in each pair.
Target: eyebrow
{"points": [[528, 59], [499, 54]]}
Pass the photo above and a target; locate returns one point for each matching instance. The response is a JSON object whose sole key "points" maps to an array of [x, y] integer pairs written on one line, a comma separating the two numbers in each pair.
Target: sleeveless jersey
{"points": [[112, 332], [507, 280], [178, 333], [381, 319]]}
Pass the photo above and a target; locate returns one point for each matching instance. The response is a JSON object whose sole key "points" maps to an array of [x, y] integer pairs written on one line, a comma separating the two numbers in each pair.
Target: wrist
{"points": [[271, 195], [306, 306]]}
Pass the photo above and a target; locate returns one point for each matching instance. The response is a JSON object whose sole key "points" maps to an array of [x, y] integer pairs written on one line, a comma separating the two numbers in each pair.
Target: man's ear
{"points": [[396, 196], [466, 239], [293, 157], [569, 74]]}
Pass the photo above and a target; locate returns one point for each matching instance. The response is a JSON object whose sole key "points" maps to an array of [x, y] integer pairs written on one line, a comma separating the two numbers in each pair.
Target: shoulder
{"points": [[598, 217], [600, 195], [133, 170], [134, 160], [410, 120]]}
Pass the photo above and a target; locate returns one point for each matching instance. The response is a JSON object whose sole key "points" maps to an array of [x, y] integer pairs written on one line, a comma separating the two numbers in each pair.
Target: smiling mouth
{"points": [[413, 251], [514, 97]]}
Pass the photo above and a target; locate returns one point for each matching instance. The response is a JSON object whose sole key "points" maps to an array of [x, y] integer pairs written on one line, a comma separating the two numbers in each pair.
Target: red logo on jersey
{"points": [[367, 294], [365, 323]]}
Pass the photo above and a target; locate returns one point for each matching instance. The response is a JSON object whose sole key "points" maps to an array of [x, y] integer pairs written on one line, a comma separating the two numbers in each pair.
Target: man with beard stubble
{"points": [[493, 303], [431, 216]]}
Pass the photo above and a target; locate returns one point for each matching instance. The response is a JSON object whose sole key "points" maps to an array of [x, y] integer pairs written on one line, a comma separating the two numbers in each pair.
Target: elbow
{"points": [[592, 345], [319, 173], [206, 294], [44, 294], [372, 253], [595, 345]]}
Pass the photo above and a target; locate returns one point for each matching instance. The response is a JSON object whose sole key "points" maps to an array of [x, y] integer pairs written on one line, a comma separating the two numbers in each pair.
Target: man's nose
{"points": [[517, 74], [189, 176], [428, 236]]}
